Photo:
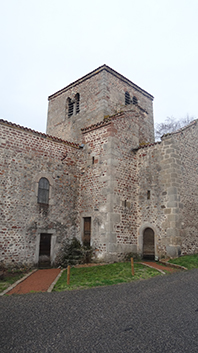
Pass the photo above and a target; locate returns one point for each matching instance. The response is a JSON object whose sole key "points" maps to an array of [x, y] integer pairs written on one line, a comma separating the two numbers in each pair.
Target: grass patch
{"points": [[188, 261], [9, 279], [87, 277]]}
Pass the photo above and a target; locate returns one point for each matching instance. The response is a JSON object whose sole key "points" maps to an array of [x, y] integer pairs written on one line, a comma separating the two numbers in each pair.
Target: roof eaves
{"points": [[95, 72], [41, 134], [194, 122]]}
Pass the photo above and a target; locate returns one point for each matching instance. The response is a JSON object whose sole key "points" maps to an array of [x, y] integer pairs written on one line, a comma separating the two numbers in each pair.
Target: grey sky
{"points": [[47, 44]]}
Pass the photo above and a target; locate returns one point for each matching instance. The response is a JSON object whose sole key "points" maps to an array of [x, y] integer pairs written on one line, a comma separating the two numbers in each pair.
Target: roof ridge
{"points": [[181, 129], [110, 117], [146, 145], [96, 71], [42, 134]]}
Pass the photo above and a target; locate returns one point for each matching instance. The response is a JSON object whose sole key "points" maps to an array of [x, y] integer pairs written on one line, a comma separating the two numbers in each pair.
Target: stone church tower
{"points": [[98, 95], [110, 116], [98, 175]]}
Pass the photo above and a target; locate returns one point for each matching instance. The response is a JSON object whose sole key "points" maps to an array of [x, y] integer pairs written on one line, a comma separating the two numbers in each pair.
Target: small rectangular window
{"points": [[87, 231], [148, 194]]}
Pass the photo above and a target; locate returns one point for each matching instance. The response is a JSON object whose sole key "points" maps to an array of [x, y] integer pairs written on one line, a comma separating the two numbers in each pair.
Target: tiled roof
{"points": [[107, 120], [194, 122], [41, 134], [95, 72], [145, 146]]}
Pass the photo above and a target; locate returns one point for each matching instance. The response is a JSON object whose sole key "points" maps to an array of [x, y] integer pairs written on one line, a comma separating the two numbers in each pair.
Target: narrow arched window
{"points": [[70, 107], [127, 98], [135, 101], [77, 103], [43, 191]]}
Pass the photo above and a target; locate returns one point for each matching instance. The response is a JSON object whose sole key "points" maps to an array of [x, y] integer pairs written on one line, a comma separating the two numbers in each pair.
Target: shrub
{"points": [[136, 257], [73, 253]]}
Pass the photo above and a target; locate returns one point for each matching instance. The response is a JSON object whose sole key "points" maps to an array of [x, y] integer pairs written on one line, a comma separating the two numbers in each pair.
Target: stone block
{"points": [[172, 191], [167, 210], [172, 232], [172, 204], [173, 251]]}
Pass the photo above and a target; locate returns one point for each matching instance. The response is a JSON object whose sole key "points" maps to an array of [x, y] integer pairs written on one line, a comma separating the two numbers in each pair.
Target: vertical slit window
{"points": [[135, 101], [70, 107], [127, 98], [43, 191], [148, 194], [77, 101]]}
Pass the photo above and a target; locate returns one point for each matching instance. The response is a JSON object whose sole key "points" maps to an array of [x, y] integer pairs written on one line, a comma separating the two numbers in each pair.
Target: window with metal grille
{"points": [[43, 191], [77, 103], [127, 98], [135, 101], [70, 107]]}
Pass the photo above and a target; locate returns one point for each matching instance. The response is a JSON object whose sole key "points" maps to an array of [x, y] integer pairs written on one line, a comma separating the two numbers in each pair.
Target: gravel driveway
{"points": [[155, 315]]}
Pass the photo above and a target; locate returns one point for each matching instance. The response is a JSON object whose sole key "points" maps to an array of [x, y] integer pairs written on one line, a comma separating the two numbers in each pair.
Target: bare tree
{"points": [[171, 125]]}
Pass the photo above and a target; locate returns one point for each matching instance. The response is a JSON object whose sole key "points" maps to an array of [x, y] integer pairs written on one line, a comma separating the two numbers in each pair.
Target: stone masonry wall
{"points": [[159, 173], [102, 93], [25, 157], [95, 185], [123, 176], [115, 102], [187, 142], [109, 185], [124, 185], [91, 108]]}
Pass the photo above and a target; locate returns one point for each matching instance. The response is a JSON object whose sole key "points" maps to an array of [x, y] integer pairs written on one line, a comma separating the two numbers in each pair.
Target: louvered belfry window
{"points": [[43, 191], [70, 107], [127, 98], [77, 99], [135, 101]]}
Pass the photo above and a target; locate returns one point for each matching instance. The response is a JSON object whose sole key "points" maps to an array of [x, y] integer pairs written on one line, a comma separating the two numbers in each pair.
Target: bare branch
{"points": [[171, 125]]}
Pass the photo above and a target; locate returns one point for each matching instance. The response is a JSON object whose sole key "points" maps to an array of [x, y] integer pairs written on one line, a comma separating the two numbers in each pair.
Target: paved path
{"points": [[38, 281], [159, 266], [41, 280], [159, 315]]}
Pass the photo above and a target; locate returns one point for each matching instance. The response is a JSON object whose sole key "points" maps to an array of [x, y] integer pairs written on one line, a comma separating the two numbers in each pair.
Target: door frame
{"points": [[152, 255], [85, 215], [52, 232], [140, 238]]}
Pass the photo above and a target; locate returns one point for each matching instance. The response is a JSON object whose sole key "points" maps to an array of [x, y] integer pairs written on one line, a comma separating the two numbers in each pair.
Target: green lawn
{"points": [[9, 279], [188, 261], [87, 277]]}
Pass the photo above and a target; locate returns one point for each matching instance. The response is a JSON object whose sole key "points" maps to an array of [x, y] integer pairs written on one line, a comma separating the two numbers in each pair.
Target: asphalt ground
{"points": [[155, 315]]}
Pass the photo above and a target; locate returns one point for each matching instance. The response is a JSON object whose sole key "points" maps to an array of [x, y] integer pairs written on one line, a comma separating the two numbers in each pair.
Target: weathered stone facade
{"points": [[101, 94], [26, 157], [114, 184]]}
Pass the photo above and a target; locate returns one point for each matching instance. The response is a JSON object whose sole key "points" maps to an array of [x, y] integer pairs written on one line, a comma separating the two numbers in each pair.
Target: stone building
{"points": [[98, 175]]}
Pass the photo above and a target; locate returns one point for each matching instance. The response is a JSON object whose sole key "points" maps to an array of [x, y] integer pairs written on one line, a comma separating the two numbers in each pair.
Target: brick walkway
{"points": [[159, 266], [39, 281]]}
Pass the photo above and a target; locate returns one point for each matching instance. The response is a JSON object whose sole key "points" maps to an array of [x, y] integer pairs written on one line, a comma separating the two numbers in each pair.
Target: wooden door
{"points": [[148, 244], [87, 231], [44, 250]]}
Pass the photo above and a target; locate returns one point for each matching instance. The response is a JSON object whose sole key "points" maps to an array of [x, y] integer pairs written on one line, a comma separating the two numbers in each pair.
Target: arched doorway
{"points": [[148, 244]]}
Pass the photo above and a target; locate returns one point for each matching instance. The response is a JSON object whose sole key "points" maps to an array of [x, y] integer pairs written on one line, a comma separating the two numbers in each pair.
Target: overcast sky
{"points": [[47, 44]]}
